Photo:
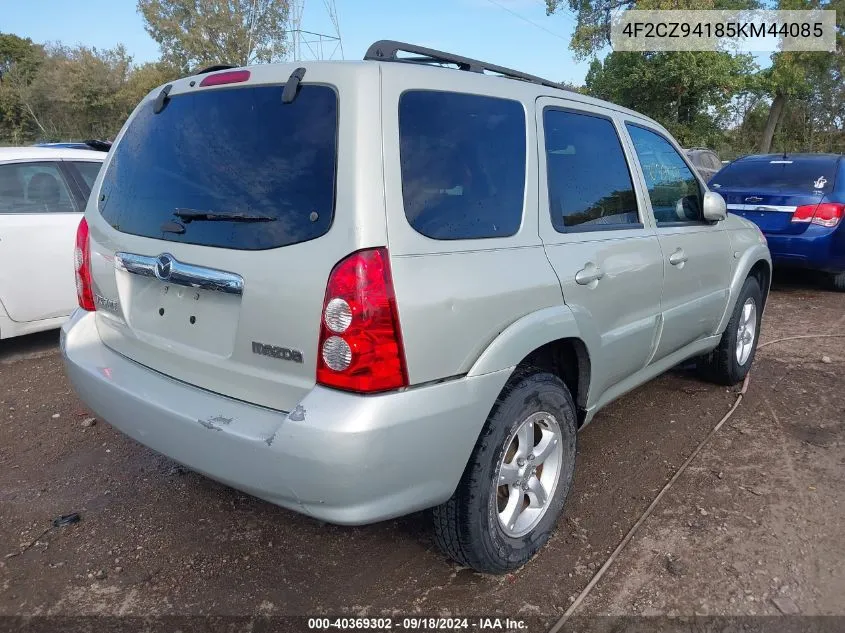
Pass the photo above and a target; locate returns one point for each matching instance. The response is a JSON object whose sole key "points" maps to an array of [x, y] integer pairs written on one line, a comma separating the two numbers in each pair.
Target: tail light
{"points": [[829, 213], [825, 214], [82, 267], [360, 346]]}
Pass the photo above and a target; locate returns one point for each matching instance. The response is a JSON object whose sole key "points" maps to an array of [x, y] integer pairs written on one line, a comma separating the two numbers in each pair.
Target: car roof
{"points": [[449, 78], [49, 153]]}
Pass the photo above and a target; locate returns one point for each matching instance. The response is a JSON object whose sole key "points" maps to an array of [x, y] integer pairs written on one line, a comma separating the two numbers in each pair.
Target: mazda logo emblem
{"points": [[164, 264]]}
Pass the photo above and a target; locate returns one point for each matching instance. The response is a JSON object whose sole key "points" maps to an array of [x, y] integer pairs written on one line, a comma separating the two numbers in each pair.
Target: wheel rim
{"points": [[746, 332], [528, 473]]}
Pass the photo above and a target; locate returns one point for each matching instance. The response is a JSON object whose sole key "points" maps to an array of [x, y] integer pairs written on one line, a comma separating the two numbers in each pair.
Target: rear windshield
{"points": [[232, 168], [779, 173]]}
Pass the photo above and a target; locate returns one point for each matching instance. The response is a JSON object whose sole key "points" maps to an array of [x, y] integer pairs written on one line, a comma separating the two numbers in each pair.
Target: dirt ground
{"points": [[754, 526]]}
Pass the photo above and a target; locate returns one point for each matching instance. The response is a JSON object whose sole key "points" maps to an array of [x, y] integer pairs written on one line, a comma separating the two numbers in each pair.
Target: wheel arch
{"points": [[756, 261], [548, 339]]}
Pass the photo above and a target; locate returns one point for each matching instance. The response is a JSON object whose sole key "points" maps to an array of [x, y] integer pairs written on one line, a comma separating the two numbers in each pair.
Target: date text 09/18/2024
{"points": [[418, 624]]}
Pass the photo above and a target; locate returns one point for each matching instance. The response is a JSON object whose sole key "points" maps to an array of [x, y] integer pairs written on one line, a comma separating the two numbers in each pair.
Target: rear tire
{"points": [[731, 361], [838, 281], [494, 522]]}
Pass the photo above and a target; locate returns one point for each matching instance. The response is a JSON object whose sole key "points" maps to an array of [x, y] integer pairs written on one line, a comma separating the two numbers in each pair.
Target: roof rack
{"points": [[388, 51]]}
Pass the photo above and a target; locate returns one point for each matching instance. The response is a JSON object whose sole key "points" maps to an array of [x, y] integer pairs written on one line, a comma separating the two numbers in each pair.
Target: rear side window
{"points": [[34, 188], [463, 164], [232, 168], [88, 170], [590, 186], [789, 174]]}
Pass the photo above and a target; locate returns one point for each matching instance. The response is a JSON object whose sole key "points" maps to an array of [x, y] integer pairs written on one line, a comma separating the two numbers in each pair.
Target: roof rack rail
{"points": [[388, 51]]}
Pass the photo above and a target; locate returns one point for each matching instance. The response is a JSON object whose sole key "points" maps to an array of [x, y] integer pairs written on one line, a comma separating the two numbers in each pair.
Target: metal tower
{"points": [[307, 45]]}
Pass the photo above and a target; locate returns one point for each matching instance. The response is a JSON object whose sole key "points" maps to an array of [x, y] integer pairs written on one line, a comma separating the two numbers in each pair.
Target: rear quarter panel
{"points": [[455, 297]]}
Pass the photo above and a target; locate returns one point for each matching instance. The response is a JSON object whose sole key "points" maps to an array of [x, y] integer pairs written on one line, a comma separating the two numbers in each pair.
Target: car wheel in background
{"points": [[838, 281]]}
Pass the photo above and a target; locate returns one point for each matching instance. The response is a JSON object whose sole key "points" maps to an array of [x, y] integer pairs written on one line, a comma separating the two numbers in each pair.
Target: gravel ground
{"points": [[754, 526]]}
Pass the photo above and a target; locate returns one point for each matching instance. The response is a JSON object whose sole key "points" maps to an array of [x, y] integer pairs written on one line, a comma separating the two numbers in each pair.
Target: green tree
{"points": [[688, 92], [193, 33], [796, 76], [594, 17], [19, 62]]}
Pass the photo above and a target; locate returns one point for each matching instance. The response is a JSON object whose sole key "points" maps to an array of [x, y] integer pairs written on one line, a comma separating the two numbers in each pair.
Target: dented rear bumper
{"points": [[338, 457]]}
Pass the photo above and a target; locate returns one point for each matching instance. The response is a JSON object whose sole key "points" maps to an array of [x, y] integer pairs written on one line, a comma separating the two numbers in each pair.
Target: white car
{"points": [[43, 192]]}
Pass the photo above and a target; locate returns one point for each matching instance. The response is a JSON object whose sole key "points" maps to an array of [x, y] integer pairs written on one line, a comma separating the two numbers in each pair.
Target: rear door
{"points": [[599, 238], [219, 218], [38, 219], [768, 189], [697, 254]]}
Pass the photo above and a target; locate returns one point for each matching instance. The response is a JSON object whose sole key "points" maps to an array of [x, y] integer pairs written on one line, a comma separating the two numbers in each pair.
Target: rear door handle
{"points": [[678, 257], [589, 274]]}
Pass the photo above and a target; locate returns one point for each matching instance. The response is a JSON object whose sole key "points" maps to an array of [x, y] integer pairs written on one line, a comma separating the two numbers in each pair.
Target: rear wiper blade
{"points": [[195, 215]]}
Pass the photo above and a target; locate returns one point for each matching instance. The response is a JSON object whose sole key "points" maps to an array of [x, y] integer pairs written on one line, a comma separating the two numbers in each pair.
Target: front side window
{"points": [[463, 164], [34, 188], [675, 194], [590, 186]]}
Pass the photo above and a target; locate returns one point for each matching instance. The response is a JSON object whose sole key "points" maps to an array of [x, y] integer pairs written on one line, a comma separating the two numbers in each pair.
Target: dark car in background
{"points": [[798, 201], [705, 161]]}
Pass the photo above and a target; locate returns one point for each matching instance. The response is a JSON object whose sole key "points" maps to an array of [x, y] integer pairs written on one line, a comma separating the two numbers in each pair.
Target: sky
{"points": [[514, 33]]}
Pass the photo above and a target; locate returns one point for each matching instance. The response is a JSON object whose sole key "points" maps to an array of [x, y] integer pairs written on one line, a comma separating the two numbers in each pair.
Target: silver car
{"points": [[362, 289]]}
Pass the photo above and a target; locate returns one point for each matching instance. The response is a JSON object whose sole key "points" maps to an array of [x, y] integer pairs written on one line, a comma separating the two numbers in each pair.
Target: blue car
{"points": [[100, 146], [798, 201]]}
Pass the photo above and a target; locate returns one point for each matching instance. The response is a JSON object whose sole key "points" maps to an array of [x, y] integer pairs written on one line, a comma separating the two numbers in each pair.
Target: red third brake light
{"points": [[360, 345], [825, 214], [82, 267], [228, 77]]}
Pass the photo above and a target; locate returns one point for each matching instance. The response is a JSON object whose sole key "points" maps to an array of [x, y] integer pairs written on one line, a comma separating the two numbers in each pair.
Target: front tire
{"points": [[731, 361], [838, 282], [517, 479]]}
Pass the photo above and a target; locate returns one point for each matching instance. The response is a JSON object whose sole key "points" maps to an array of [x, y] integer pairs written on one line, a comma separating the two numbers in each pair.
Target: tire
{"points": [[726, 365], [468, 527], [838, 281]]}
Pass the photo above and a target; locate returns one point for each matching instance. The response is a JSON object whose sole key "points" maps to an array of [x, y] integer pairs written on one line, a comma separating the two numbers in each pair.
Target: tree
{"points": [[796, 75], [19, 62], [688, 92], [594, 17], [194, 33]]}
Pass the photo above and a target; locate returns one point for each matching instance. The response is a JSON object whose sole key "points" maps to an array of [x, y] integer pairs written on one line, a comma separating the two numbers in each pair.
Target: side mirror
{"points": [[715, 208]]}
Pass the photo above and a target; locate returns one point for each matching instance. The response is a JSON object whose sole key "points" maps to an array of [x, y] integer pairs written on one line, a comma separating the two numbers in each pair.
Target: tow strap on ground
{"points": [[603, 569]]}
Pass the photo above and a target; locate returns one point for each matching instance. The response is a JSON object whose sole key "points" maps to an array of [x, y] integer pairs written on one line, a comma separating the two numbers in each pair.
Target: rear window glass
{"points": [[463, 164], [235, 167], [34, 188], [88, 170], [779, 173]]}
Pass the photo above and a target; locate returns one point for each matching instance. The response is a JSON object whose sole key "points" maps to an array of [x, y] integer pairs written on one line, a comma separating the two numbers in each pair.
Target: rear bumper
{"points": [[818, 248], [337, 457]]}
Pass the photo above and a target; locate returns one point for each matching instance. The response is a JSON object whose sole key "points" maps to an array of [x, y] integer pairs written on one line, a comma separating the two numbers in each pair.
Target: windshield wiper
{"points": [[194, 215]]}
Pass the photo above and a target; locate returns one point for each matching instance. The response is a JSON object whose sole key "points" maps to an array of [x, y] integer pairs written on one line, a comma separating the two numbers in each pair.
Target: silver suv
{"points": [[358, 290]]}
